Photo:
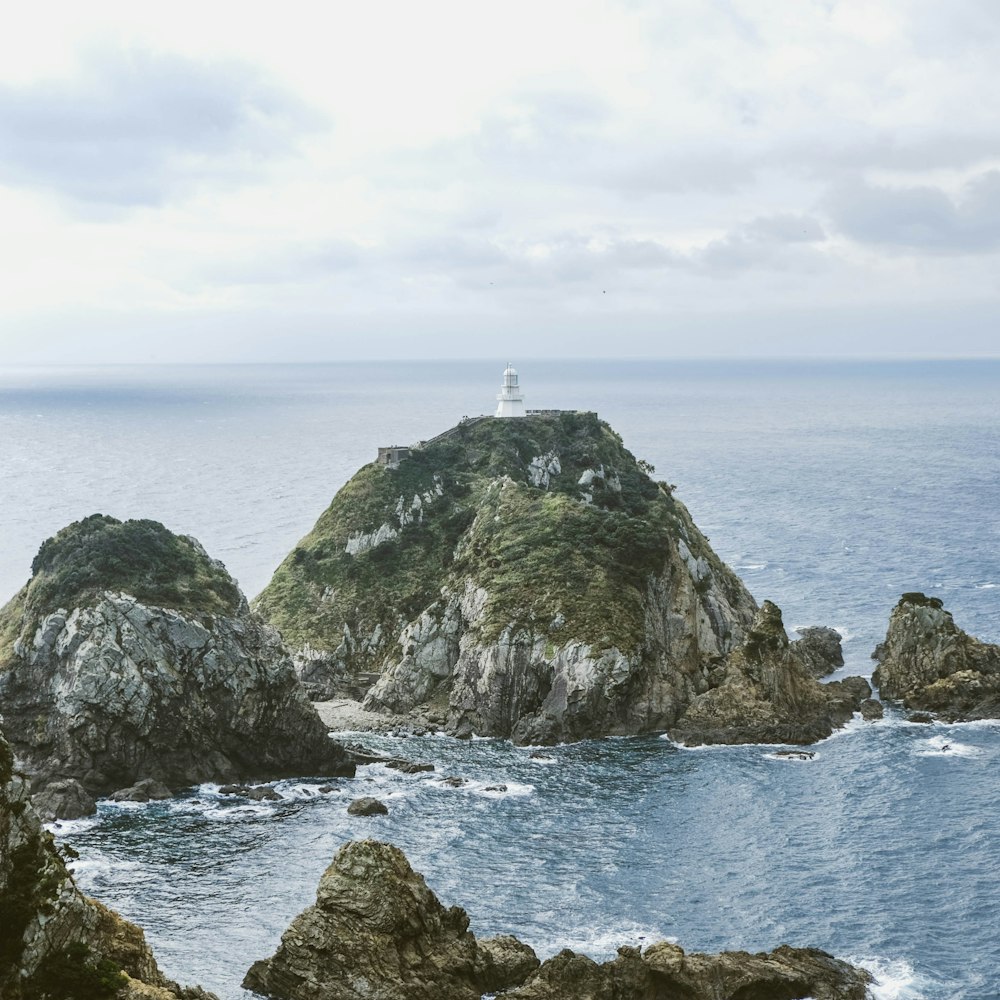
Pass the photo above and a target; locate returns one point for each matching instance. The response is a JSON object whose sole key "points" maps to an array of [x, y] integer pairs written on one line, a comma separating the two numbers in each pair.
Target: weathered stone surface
{"points": [[871, 710], [66, 799], [664, 972], [376, 930], [819, 649], [149, 790], [766, 695], [116, 691], [49, 929], [367, 806], [929, 663]]}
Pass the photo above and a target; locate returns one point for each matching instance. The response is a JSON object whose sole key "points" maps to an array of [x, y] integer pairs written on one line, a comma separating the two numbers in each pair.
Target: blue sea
{"points": [[830, 487]]}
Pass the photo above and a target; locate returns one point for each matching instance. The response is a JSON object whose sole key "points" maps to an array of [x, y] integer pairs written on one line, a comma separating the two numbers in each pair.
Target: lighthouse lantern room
{"points": [[510, 400]]}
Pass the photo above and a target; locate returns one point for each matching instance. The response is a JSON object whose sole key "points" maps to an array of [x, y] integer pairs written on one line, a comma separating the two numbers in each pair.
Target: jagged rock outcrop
{"points": [[664, 972], [103, 684], [521, 578], [55, 942], [376, 930], [929, 663], [766, 694], [819, 649]]}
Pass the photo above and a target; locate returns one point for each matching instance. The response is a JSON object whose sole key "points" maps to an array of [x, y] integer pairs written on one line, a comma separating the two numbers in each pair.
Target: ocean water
{"points": [[831, 488]]}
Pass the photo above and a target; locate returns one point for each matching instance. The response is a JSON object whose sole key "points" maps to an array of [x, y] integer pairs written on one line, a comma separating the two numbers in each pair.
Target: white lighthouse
{"points": [[510, 400]]}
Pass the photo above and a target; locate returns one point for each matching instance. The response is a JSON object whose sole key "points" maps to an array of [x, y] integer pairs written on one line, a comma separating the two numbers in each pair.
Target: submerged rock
{"points": [[929, 663], [819, 649], [377, 931], [767, 695], [149, 790], [104, 687], [542, 608], [54, 942]]}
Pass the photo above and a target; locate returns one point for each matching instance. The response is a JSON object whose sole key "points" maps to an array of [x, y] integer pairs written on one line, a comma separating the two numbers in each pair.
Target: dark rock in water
{"points": [[66, 799], [819, 649], [929, 663], [326, 789], [367, 806], [149, 790], [377, 931], [263, 793], [105, 687], [409, 766], [664, 970], [764, 694], [452, 782], [924, 718], [458, 580], [495, 788], [871, 710], [233, 789], [795, 754], [54, 942]]}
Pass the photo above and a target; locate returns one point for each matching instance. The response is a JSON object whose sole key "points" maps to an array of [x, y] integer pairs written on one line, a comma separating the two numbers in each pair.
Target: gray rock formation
{"points": [[766, 694], [929, 663], [464, 586], [110, 691], [367, 806], [54, 942], [664, 972], [819, 649], [376, 930]]}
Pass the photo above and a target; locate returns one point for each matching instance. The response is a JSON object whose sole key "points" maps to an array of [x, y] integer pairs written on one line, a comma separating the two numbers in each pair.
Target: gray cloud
{"points": [[920, 218], [133, 127]]}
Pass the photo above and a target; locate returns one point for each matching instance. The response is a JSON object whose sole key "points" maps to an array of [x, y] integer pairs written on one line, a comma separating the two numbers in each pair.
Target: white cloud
{"points": [[589, 165]]}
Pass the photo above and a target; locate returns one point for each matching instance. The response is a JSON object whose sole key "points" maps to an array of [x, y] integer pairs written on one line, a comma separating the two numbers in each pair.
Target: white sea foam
{"points": [[751, 567], [62, 828], [987, 586], [944, 746], [895, 979]]}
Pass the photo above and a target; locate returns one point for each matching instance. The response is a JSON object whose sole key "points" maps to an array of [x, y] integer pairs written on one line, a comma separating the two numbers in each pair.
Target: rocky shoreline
{"points": [[377, 931]]}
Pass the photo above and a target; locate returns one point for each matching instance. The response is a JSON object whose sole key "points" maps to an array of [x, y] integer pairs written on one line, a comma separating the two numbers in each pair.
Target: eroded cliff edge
{"points": [[132, 655], [54, 941]]}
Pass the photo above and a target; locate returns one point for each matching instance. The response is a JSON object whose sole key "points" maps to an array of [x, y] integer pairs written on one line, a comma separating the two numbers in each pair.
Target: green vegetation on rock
{"points": [[550, 515], [142, 558]]}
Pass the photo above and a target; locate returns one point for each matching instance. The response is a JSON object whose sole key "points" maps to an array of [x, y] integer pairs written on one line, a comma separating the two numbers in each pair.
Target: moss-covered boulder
{"points": [[929, 663], [131, 655], [523, 578]]}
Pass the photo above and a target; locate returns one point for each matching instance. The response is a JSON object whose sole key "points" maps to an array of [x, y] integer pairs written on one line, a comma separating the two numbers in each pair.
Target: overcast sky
{"points": [[211, 181]]}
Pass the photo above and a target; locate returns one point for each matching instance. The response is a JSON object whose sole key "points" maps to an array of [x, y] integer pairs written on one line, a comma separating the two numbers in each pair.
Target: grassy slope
{"points": [[538, 552], [100, 553]]}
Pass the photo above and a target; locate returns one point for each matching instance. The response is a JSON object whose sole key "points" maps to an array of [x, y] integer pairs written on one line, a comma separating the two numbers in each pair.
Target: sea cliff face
{"points": [[929, 663], [54, 942], [513, 578], [99, 689]]}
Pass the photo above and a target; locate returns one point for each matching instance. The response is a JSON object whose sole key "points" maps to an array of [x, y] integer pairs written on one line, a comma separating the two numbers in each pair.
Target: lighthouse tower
{"points": [[510, 399]]}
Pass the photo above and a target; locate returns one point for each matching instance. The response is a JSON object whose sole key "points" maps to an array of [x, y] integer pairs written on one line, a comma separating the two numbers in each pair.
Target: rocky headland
{"points": [[377, 930], [766, 693], [930, 664], [54, 941], [517, 578], [131, 655]]}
